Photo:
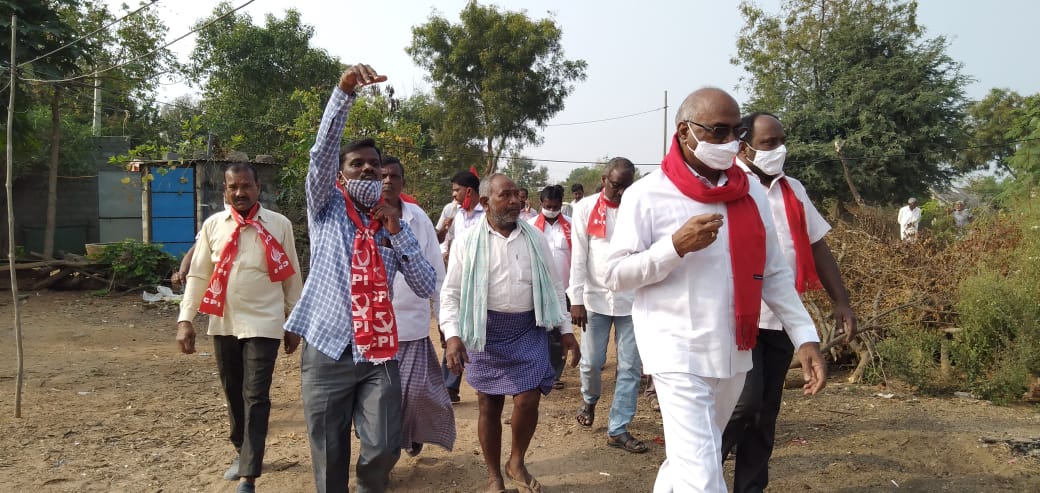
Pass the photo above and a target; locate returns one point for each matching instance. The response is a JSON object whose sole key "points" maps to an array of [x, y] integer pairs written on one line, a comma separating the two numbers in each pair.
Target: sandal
{"points": [[628, 443], [586, 415]]}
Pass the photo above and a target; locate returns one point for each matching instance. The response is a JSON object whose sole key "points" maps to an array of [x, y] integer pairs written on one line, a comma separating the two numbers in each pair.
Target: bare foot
{"points": [[496, 485]]}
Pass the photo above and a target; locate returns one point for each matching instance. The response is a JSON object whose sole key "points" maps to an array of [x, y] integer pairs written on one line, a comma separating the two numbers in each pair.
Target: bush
{"points": [[135, 264]]}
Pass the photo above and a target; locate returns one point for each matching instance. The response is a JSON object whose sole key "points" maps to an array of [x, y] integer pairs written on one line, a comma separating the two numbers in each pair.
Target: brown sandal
{"points": [[628, 443]]}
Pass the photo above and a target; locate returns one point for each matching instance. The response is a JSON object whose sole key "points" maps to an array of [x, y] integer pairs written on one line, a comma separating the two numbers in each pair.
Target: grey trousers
{"points": [[338, 392], [246, 367]]}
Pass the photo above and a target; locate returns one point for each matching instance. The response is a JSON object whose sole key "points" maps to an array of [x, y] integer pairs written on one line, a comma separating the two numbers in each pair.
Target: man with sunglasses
{"points": [[697, 246], [800, 231], [596, 309]]}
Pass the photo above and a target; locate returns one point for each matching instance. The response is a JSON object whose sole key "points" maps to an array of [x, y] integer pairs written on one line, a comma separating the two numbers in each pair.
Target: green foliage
{"points": [[138, 264], [991, 125], [499, 74], [862, 72], [526, 175], [912, 352], [250, 72]]}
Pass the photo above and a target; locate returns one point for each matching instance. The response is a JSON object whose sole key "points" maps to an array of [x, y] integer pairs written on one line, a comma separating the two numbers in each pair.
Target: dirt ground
{"points": [[110, 405]]}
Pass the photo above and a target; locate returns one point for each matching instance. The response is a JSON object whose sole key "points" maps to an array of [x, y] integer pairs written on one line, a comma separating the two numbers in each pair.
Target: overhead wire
{"points": [[85, 36]]}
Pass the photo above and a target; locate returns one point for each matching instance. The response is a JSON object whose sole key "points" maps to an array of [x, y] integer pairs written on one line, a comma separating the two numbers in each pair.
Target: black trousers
{"points": [[752, 427], [246, 367]]}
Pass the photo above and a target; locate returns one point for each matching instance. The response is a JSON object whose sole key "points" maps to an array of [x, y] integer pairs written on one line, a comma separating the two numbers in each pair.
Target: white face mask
{"points": [[550, 214], [770, 162], [714, 156]]}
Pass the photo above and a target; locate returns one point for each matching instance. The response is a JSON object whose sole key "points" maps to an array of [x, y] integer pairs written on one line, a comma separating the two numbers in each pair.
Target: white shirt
{"points": [[463, 222], [558, 245], [683, 308], [908, 220], [254, 306], [446, 212], [589, 265], [510, 283], [816, 225], [412, 312]]}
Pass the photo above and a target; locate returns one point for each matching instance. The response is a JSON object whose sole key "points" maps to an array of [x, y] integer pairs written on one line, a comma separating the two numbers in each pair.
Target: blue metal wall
{"points": [[173, 208]]}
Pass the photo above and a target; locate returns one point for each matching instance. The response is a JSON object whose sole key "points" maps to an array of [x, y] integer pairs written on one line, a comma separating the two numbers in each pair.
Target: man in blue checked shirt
{"points": [[344, 314]]}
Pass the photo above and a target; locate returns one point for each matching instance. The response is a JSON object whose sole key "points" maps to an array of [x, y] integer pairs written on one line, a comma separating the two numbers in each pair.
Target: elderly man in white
{"points": [[909, 216], [697, 245]]}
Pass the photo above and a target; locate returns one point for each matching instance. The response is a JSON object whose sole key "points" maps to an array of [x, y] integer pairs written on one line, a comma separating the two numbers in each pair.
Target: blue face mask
{"points": [[365, 193]]}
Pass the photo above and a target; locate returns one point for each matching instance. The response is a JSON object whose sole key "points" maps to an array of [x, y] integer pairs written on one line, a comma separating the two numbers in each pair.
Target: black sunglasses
{"points": [[723, 131]]}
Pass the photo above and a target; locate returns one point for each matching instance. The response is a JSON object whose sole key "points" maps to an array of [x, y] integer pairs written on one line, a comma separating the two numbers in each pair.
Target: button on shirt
{"points": [[683, 309], [255, 307], [817, 227], [412, 311], [589, 264], [323, 315], [510, 283], [559, 246]]}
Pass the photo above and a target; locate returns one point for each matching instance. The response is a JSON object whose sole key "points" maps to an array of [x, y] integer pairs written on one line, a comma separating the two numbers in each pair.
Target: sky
{"points": [[636, 51]]}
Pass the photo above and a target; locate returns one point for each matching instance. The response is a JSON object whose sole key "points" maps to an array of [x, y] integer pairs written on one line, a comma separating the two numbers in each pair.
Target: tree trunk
{"points": [[489, 166], [848, 174], [52, 177]]}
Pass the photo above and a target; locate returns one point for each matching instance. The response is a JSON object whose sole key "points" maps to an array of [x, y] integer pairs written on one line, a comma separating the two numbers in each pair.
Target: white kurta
{"points": [[589, 264], [558, 246], [908, 219], [412, 312]]}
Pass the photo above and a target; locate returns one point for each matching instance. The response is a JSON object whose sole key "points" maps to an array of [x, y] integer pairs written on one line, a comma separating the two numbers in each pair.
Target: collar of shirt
{"points": [[260, 214], [722, 178], [747, 169]]}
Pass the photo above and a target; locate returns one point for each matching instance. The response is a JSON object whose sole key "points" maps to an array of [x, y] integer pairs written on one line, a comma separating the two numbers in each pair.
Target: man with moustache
{"points": [[696, 244], [800, 231], [246, 276], [345, 315], [500, 295]]}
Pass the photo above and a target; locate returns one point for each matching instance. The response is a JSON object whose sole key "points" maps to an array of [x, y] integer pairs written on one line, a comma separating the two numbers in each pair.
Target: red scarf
{"points": [[278, 266], [747, 236], [372, 312], [597, 227], [540, 224], [408, 198], [806, 278]]}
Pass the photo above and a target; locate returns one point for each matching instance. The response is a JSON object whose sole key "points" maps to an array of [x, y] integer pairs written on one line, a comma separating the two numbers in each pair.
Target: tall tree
{"points": [[992, 128], [860, 73], [249, 73], [499, 74]]}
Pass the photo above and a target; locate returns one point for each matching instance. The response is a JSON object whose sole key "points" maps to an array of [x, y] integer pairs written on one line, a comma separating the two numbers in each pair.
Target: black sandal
{"points": [[586, 415], [628, 443]]}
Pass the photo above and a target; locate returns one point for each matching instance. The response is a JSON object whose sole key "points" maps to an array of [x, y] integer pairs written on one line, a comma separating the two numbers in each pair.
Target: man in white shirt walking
{"points": [[246, 276], [696, 244], [909, 216], [557, 229], [800, 231], [500, 293], [426, 413], [597, 308]]}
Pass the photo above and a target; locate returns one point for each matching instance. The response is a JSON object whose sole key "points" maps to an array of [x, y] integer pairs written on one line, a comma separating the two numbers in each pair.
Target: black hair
{"points": [[574, 188], [748, 122], [358, 144], [241, 167], [466, 179], [393, 160], [524, 189], [552, 192], [620, 163]]}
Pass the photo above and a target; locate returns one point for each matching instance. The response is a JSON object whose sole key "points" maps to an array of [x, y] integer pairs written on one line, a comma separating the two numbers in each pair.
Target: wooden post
{"points": [[10, 231]]}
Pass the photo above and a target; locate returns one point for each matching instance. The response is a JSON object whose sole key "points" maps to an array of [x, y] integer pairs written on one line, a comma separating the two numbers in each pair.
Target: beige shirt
{"points": [[255, 307]]}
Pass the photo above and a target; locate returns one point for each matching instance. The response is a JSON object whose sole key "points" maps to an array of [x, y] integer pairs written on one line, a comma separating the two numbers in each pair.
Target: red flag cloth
{"points": [[278, 266], [408, 198], [372, 312], [597, 226], [473, 169], [806, 278], [540, 224], [747, 236]]}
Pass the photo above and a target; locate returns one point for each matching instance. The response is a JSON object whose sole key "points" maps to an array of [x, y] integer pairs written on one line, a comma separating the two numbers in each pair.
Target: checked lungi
{"points": [[425, 407], [515, 358]]}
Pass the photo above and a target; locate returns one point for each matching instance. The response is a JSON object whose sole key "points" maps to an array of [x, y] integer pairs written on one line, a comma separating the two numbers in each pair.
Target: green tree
{"points": [[590, 177], [991, 125], [249, 73], [860, 73], [526, 175], [500, 75]]}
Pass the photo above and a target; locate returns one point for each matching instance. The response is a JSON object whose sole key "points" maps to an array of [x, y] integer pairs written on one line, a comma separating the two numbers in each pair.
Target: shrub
{"points": [[136, 264]]}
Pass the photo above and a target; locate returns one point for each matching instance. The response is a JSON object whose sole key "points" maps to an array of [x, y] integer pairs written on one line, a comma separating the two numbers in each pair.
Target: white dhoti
{"points": [[695, 411]]}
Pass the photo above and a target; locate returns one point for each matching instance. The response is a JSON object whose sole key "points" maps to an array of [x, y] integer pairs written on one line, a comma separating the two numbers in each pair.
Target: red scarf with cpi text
{"points": [[540, 224], [805, 278], [278, 266], [372, 311], [597, 226], [747, 236]]}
